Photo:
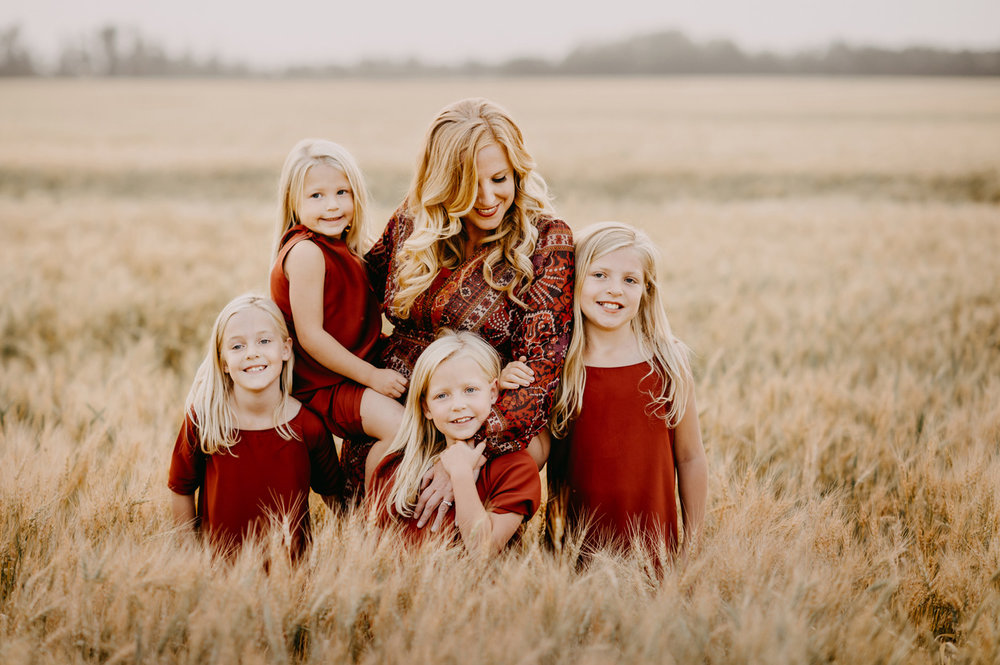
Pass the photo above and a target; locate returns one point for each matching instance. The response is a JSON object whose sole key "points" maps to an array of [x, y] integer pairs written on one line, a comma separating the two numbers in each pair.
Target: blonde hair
{"points": [[210, 398], [668, 355], [444, 190], [306, 154], [417, 438]]}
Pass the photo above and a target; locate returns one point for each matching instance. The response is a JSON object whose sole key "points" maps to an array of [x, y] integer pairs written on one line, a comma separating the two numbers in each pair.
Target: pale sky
{"points": [[283, 32]]}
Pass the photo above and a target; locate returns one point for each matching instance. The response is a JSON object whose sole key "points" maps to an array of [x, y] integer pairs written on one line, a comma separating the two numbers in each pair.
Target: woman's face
{"points": [[494, 192]]}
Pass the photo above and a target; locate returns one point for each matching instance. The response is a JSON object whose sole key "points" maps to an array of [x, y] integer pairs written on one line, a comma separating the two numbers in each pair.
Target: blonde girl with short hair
{"points": [[319, 281], [452, 389], [626, 407], [247, 448]]}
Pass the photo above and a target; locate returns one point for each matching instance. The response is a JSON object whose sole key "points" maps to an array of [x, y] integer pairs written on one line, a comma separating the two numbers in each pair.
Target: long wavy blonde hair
{"points": [[668, 355], [306, 154], [210, 399], [418, 439], [444, 190]]}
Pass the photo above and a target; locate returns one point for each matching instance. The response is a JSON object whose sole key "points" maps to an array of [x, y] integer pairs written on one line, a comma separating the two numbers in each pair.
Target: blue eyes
{"points": [[468, 390], [340, 192]]}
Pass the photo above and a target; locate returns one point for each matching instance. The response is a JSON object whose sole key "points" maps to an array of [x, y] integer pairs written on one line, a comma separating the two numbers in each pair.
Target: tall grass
{"points": [[848, 364]]}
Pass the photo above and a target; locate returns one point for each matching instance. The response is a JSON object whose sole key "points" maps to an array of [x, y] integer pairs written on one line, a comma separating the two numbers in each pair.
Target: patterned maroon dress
{"points": [[462, 300]]}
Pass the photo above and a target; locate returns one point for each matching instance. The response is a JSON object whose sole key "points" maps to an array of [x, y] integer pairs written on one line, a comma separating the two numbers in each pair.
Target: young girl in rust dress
{"points": [[319, 281], [453, 389], [248, 451], [626, 407]]}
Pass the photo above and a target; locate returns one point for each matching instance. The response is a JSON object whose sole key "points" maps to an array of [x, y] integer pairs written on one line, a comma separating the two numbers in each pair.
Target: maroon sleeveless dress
{"points": [[620, 469]]}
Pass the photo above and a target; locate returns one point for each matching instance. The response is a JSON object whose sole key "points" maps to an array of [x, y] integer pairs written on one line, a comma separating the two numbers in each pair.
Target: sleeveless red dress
{"points": [[620, 466]]}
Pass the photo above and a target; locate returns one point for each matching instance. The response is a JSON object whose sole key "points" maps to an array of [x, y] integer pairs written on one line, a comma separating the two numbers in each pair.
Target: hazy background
{"points": [[442, 31]]}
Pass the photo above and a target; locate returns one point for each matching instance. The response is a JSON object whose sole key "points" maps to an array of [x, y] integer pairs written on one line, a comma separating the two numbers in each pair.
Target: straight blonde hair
{"points": [[210, 400], [306, 154], [668, 356], [420, 442], [444, 190]]}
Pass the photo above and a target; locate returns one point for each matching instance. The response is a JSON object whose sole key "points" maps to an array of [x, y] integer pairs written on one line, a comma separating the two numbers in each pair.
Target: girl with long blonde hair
{"points": [[625, 409], [247, 447], [476, 246], [319, 281], [452, 389]]}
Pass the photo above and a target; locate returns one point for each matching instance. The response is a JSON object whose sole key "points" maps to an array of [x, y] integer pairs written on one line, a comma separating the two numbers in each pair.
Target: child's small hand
{"points": [[463, 458], [516, 375], [389, 382]]}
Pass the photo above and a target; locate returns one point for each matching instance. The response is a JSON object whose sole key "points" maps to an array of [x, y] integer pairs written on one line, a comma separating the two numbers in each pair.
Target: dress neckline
{"points": [[635, 364]]}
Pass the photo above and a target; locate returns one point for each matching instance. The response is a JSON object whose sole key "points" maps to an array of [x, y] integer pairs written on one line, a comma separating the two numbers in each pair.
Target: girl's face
{"points": [[612, 289], [327, 202], [494, 192], [458, 398], [253, 353]]}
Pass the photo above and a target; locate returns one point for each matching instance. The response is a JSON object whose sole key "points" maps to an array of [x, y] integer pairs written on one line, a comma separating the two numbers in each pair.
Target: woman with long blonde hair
{"points": [[476, 246]]}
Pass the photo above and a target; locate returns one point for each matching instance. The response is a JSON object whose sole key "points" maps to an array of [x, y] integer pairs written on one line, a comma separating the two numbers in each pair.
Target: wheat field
{"points": [[831, 255]]}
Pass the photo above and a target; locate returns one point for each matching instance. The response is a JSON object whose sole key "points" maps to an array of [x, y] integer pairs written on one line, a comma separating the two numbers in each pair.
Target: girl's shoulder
{"points": [[516, 467]]}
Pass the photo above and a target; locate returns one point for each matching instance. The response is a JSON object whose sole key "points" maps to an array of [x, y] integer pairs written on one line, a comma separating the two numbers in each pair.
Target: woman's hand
{"points": [[516, 375], [389, 382]]}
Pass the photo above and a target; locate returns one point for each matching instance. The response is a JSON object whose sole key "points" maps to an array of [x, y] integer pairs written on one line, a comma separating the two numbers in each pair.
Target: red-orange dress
{"points": [[265, 475], [620, 468], [506, 484], [351, 316]]}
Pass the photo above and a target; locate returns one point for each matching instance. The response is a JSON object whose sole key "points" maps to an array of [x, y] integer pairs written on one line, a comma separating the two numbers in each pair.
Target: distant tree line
{"points": [[114, 51]]}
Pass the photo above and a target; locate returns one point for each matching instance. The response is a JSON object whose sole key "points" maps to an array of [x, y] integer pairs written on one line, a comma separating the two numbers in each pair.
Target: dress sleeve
{"points": [[325, 475], [187, 464], [378, 260], [541, 334], [514, 485]]}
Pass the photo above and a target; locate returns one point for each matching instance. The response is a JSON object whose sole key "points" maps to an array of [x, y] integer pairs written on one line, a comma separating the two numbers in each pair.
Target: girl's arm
{"points": [[183, 508], [306, 270], [692, 471], [482, 531]]}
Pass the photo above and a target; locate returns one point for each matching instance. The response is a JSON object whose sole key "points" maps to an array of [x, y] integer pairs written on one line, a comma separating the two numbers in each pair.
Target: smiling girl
{"points": [[319, 282], [453, 389], [626, 405], [247, 448]]}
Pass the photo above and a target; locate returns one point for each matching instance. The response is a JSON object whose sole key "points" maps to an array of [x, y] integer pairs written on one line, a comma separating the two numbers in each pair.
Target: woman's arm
{"points": [[306, 270], [692, 471], [378, 260], [482, 531], [542, 337]]}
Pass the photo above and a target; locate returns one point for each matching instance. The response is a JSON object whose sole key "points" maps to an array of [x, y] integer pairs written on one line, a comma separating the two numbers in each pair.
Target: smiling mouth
{"points": [[461, 421], [256, 369], [488, 212], [610, 306]]}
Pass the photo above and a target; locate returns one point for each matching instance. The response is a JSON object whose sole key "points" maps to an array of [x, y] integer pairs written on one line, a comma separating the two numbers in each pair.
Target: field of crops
{"points": [[831, 255]]}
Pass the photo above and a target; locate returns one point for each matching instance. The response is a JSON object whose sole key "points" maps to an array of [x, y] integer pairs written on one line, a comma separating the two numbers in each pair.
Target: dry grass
{"points": [[831, 256]]}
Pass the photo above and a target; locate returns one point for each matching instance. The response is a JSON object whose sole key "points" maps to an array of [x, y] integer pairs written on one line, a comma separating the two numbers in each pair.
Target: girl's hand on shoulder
{"points": [[516, 374], [389, 382], [462, 458]]}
